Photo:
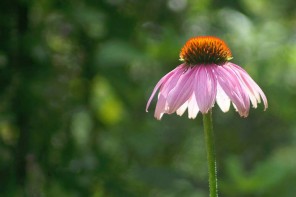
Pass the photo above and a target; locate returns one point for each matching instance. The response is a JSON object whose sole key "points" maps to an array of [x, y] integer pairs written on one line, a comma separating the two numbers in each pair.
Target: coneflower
{"points": [[206, 77]]}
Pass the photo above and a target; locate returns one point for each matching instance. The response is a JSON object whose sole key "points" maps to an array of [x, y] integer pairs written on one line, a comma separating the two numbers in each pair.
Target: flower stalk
{"points": [[211, 155]]}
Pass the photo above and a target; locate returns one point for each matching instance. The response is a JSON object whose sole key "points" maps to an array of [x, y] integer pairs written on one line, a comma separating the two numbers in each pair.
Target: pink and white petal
{"points": [[222, 99], [192, 107], [259, 91], [256, 89], [246, 76], [241, 113], [182, 109], [205, 88], [231, 86], [172, 75], [242, 91], [252, 85], [160, 82], [161, 107], [262, 96], [172, 81], [244, 80], [182, 92]]}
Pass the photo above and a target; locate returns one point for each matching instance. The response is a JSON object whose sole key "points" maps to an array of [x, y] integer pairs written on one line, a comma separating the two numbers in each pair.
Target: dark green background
{"points": [[75, 77]]}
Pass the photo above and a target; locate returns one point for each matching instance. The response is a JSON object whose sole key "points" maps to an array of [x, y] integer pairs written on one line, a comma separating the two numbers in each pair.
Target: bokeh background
{"points": [[75, 77]]}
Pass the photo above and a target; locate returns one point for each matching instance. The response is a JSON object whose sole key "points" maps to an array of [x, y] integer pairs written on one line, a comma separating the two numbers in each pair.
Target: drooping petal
{"points": [[222, 99], [229, 82], [252, 87], [182, 109], [159, 83], [253, 95], [242, 91], [165, 82], [205, 88], [192, 107], [209, 78], [160, 107], [182, 92], [262, 95], [171, 83]]}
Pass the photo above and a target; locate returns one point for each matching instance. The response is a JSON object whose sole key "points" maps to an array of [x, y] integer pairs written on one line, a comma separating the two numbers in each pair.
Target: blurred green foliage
{"points": [[75, 77]]}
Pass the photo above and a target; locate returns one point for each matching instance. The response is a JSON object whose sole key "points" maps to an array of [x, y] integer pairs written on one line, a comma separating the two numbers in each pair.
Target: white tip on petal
{"points": [[159, 117], [161, 107], [192, 107], [222, 99], [182, 109], [242, 113]]}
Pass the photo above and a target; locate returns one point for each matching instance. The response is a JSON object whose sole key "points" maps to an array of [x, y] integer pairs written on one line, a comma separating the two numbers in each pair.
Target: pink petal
{"points": [[253, 95], [160, 107], [229, 82], [253, 89], [205, 88], [182, 92], [170, 84], [165, 80]]}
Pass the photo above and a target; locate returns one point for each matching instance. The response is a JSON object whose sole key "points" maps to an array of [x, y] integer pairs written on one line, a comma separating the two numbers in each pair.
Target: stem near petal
{"points": [[211, 155]]}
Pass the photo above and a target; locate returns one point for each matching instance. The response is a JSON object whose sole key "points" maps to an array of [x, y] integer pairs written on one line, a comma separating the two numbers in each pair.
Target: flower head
{"points": [[206, 77], [205, 50]]}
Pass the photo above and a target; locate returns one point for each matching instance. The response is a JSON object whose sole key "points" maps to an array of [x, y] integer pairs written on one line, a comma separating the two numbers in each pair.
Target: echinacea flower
{"points": [[206, 77]]}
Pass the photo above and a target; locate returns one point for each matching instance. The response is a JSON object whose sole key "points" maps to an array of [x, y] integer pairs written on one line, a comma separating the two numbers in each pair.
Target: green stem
{"points": [[210, 143]]}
